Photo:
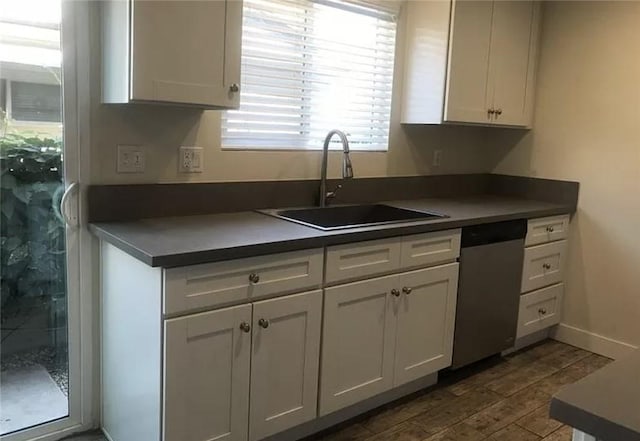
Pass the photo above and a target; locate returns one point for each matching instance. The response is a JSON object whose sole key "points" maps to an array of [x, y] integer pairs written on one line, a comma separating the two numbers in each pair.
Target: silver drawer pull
{"points": [[254, 278], [550, 229], [542, 311], [395, 292], [407, 290], [245, 327], [546, 266], [234, 88], [263, 323]]}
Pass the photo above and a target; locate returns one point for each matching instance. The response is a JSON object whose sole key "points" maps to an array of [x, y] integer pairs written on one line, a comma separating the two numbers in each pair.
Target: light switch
{"points": [[131, 159]]}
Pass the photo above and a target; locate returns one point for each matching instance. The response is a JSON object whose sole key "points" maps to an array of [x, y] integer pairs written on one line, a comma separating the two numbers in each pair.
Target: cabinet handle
{"points": [[263, 323], [546, 266], [499, 112], [395, 292], [245, 327], [490, 112], [407, 290], [254, 278], [542, 311], [550, 229], [234, 88]]}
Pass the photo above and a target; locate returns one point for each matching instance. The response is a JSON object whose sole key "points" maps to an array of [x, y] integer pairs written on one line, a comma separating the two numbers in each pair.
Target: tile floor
{"points": [[504, 399]]}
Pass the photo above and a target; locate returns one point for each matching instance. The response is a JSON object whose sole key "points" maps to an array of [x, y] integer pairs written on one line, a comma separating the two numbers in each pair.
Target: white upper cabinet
{"points": [[172, 52], [470, 62], [468, 92]]}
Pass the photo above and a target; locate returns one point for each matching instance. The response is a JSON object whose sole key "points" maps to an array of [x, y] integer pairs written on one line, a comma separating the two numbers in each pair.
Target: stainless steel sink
{"points": [[351, 216]]}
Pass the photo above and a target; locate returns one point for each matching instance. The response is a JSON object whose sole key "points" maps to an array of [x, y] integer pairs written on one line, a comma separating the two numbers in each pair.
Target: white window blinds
{"points": [[312, 66]]}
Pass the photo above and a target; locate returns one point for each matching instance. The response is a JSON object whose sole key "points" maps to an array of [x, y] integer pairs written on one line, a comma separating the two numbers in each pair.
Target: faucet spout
{"points": [[347, 168]]}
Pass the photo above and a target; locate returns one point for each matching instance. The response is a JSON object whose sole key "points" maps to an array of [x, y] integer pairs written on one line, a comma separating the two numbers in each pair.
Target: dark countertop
{"points": [[606, 404], [189, 240]]}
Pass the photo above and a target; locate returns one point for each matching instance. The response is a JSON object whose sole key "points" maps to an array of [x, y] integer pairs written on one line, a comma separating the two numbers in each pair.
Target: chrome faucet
{"points": [[347, 168]]}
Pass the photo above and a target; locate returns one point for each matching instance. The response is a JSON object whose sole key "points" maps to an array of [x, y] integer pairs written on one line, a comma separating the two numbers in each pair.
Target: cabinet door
{"points": [[357, 342], [467, 93], [426, 318], [284, 363], [206, 376], [512, 62], [186, 52]]}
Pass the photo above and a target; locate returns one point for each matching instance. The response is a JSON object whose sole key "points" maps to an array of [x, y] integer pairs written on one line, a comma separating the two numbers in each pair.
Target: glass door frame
{"points": [[83, 316]]}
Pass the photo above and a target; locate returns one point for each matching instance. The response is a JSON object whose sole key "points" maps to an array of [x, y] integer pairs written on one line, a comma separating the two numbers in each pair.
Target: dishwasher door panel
{"points": [[488, 300]]}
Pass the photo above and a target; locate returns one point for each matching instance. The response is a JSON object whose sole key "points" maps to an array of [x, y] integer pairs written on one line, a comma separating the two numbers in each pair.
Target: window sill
{"points": [[298, 149]]}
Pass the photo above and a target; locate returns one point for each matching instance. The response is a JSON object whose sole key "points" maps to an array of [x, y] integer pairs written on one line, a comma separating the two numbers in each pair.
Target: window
{"points": [[35, 102], [312, 66]]}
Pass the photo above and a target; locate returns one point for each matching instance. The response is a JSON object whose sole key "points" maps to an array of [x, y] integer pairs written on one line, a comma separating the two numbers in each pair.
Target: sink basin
{"points": [[351, 216]]}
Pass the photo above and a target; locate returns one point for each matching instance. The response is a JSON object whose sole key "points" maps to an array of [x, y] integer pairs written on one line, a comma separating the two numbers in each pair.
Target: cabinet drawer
{"points": [[543, 265], [430, 248], [361, 260], [540, 309], [547, 229], [224, 283]]}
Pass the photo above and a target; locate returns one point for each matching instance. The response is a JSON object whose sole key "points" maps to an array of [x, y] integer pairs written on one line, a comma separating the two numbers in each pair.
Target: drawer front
{"points": [[540, 309], [224, 283], [547, 229], [362, 260], [430, 248], [543, 265]]}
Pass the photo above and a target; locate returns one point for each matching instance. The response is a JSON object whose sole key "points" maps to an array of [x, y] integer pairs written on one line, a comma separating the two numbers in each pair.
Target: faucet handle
{"points": [[334, 193]]}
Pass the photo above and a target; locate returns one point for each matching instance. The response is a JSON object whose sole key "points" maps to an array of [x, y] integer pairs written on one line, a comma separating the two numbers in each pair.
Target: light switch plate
{"points": [[437, 158], [131, 159], [191, 159]]}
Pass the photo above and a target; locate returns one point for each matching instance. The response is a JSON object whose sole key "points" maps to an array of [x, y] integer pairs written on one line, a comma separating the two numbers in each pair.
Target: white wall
{"points": [[587, 128], [162, 129]]}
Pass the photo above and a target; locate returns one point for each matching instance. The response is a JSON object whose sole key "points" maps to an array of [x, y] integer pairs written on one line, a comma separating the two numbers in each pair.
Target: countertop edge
{"points": [[345, 236], [589, 423], [123, 245]]}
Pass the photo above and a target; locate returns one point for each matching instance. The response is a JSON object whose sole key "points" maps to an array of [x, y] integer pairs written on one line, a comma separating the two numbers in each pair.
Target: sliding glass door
{"points": [[38, 247]]}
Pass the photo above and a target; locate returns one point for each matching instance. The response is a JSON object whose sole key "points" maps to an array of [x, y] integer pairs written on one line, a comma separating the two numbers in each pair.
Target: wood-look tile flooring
{"points": [[504, 399]]}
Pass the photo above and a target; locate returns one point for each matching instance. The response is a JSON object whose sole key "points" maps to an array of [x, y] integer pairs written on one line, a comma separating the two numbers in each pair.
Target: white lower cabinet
{"points": [[284, 363], [357, 342], [206, 376], [229, 367], [274, 351], [426, 314], [385, 332], [545, 256], [540, 309]]}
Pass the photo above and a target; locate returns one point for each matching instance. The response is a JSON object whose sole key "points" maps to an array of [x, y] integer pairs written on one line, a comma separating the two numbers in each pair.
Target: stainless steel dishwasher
{"points": [[488, 290]]}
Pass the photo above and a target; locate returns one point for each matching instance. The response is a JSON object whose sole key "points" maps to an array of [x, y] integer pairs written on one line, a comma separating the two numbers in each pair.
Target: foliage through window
{"points": [[312, 66]]}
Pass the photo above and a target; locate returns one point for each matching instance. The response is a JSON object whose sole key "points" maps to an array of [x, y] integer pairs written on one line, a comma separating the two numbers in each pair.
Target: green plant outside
{"points": [[32, 234]]}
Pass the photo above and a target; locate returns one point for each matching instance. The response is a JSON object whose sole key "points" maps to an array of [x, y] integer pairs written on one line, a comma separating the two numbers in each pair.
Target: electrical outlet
{"points": [[437, 158], [191, 160], [131, 159]]}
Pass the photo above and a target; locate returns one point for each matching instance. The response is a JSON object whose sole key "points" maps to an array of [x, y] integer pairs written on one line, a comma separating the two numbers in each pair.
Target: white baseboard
{"points": [[592, 342]]}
